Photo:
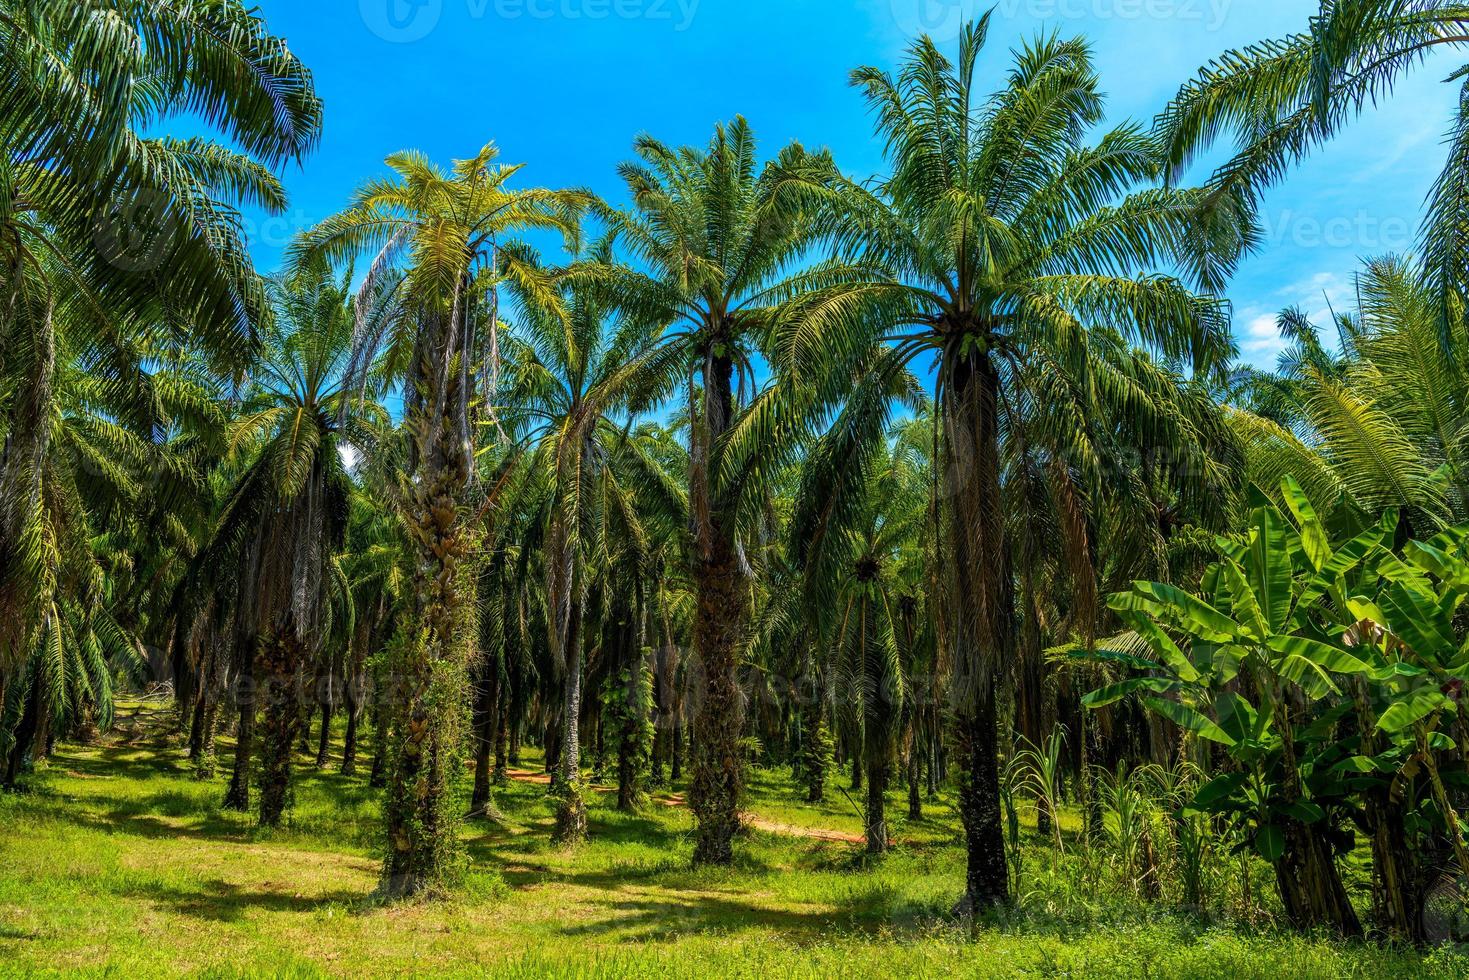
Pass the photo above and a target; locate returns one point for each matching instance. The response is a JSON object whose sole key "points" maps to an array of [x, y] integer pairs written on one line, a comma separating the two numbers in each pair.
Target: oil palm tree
{"points": [[1377, 425], [114, 237], [1006, 239], [713, 245], [1278, 100], [863, 554], [284, 519], [91, 479], [436, 320], [577, 380]]}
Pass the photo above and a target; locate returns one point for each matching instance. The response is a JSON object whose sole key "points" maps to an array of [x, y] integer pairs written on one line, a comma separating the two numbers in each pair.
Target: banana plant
{"points": [[1255, 665], [1328, 673]]}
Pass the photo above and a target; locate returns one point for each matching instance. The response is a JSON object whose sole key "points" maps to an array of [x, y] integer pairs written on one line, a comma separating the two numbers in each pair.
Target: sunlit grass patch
{"points": [[116, 861]]}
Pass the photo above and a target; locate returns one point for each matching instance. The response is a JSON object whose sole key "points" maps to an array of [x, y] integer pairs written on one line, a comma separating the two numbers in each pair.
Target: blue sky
{"points": [[565, 85]]}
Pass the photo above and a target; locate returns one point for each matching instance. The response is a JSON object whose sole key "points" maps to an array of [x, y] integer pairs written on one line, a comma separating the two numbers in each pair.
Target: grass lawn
{"points": [[117, 862]]}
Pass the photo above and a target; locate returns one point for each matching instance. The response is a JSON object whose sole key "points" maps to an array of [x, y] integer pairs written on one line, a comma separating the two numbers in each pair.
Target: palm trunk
{"points": [[571, 814], [876, 827], [238, 796], [979, 616], [719, 623], [487, 713], [634, 732], [324, 740], [815, 748], [349, 742], [206, 763], [25, 730], [718, 778], [502, 738], [196, 725], [420, 831], [308, 713], [352, 690], [281, 659], [564, 622], [915, 776], [22, 458]]}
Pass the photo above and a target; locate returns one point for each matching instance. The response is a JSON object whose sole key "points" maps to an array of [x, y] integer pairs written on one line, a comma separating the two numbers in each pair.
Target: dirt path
{"points": [[677, 800]]}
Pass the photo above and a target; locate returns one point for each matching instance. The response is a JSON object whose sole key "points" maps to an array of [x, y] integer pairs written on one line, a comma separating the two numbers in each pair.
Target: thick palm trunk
{"points": [[815, 748], [719, 622], [635, 733], [571, 814], [432, 654], [22, 455], [238, 796], [564, 621], [979, 616], [24, 735], [876, 825], [281, 659], [718, 777], [196, 724]]}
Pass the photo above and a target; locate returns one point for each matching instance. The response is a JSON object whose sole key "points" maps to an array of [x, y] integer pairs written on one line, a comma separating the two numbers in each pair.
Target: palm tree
{"points": [[284, 519], [117, 239], [576, 380], [1281, 99], [1378, 424], [1005, 239], [91, 480], [438, 321], [863, 555], [714, 240]]}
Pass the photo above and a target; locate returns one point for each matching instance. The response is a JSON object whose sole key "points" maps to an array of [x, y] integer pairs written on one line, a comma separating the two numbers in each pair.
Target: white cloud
{"points": [[1320, 295], [1260, 340], [350, 456]]}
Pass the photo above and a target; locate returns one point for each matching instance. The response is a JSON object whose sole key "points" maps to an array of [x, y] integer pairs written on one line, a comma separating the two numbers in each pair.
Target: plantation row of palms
{"points": [[766, 465]]}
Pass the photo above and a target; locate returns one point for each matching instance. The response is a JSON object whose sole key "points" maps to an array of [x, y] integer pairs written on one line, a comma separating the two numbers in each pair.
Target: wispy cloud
{"points": [[1321, 295]]}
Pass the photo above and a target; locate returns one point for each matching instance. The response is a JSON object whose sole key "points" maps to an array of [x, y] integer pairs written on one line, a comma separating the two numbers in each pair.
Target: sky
{"points": [[565, 85]]}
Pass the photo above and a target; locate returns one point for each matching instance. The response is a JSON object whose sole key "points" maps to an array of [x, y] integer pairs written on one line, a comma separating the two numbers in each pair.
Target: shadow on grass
{"points": [[221, 901]]}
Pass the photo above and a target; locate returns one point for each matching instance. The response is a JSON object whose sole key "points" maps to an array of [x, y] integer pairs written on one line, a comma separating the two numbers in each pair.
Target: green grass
{"points": [[116, 862]]}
